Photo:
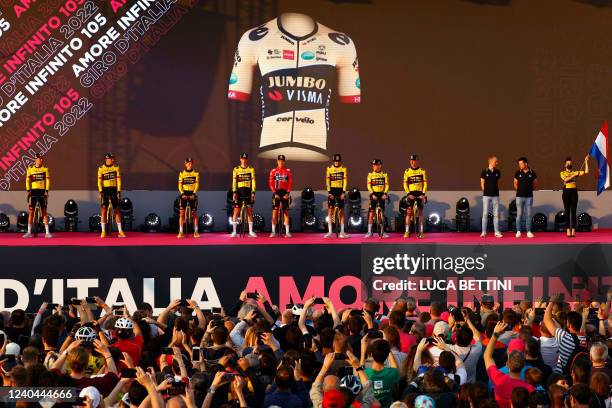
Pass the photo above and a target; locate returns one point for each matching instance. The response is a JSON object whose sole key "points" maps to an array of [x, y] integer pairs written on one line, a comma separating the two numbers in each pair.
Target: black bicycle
{"points": [[188, 221], [37, 218], [379, 219], [244, 223], [281, 230], [336, 219]]}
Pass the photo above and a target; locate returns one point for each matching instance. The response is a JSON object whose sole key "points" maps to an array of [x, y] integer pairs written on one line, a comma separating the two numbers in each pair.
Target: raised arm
{"points": [[500, 327], [549, 321]]}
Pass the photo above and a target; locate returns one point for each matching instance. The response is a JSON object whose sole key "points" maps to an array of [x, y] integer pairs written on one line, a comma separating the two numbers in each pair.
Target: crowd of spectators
{"points": [[549, 353]]}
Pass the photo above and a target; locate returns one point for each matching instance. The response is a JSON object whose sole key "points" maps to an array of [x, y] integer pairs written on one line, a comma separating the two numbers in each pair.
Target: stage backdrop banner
{"points": [[156, 81], [286, 274]]}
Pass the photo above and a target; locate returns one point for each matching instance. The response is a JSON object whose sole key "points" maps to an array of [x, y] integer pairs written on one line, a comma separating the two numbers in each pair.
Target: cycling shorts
{"points": [[336, 193]]}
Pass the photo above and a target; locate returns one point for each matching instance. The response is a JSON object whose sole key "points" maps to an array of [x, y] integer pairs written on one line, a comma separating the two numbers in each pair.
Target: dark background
{"points": [[451, 80]]}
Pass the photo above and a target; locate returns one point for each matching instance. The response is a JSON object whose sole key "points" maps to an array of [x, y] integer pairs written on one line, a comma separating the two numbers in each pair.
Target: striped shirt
{"points": [[566, 348]]}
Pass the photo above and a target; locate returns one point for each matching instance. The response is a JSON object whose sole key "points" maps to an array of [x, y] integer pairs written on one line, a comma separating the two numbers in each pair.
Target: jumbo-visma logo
{"points": [[308, 55]]}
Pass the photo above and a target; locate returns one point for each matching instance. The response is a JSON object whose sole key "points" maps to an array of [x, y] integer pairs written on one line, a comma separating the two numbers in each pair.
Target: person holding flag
{"points": [[570, 193], [601, 153]]}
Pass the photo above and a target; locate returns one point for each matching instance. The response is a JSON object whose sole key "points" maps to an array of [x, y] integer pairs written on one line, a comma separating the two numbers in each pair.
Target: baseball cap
{"points": [[189, 160], [334, 399], [244, 155], [12, 348], [516, 345], [337, 157], [109, 156], [440, 328], [376, 161], [281, 157], [414, 157], [93, 394]]}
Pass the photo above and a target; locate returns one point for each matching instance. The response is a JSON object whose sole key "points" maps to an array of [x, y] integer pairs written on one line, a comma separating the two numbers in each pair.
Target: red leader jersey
{"points": [[280, 179]]}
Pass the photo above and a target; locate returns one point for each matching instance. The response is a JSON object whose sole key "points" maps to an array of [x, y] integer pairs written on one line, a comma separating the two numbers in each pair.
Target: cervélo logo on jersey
{"points": [[296, 88]]}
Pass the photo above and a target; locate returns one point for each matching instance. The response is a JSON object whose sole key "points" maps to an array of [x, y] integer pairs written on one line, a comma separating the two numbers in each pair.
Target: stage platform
{"points": [[214, 269], [218, 238]]}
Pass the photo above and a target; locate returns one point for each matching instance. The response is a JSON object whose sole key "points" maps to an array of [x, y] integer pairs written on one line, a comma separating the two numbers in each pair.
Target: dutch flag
{"points": [[601, 152]]}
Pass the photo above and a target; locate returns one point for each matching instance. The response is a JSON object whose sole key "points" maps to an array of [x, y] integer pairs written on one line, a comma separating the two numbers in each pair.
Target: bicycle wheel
{"points": [[243, 221], [188, 219], [336, 220], [379, 221], [36, 219], [280, 217], [415, 218], [109, 219]]}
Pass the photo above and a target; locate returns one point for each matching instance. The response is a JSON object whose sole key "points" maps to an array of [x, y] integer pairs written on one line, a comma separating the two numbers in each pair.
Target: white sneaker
{"points": [[288, 234], [483, 235], [272, 234], [252, 235], [27, 235], [385, 235], [518, 234], [48, 235], [328, 235], [233, 235], [530, 234], [368, 235], [498, 235], [343, 235]]}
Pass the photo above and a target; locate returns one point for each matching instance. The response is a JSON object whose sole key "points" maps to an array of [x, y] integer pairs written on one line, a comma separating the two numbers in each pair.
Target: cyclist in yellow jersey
{"points": [[336, 181], [109, 186], [188, 183], [570, 193], [243, 188], [378, 186], [37, 186], [415, 186]]}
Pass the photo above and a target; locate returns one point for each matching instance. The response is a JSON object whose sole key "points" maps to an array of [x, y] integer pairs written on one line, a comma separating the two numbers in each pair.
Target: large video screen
{"points": [[156, 81]]}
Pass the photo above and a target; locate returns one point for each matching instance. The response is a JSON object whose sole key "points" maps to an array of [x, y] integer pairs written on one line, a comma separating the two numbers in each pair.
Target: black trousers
{"points": [[570, 203]]}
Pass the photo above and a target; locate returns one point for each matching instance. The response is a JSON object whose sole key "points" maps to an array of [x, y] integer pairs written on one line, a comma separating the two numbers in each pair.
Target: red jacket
{"points": [[280, 179]]}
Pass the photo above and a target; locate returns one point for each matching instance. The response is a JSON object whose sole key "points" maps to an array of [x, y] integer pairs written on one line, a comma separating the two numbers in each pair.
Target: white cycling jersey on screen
{"points": [[298, 75]]}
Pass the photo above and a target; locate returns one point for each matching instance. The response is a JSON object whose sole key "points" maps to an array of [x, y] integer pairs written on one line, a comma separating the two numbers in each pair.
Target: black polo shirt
{"points": [[525, 183], [491, 179]]}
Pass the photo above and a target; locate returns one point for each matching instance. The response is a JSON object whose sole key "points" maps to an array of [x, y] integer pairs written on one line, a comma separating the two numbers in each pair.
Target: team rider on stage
{"points": [[336, 179], [109, 186], [37, 186], [188, 183], [243, 188], [280, 182], [415, 186], [378, 186]]}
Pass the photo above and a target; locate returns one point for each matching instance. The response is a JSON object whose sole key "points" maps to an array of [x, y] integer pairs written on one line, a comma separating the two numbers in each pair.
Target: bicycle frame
{"points": [[243, 220], [380, 219], [36, 218], [188, 218], [280, 219], [336, 217]]}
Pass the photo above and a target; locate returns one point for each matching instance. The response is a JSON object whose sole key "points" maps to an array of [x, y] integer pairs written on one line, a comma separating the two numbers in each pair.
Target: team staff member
{"points": [[336, 181], [525, 181], [489, 184], [378, 186], [109, 186], [415, 186], [570, 193], [280, 183], [188, 183], [37, 186], [243, 187]]}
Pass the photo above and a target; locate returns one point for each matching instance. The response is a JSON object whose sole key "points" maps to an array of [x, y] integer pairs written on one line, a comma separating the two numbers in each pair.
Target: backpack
{"points": [[580, 352]]}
